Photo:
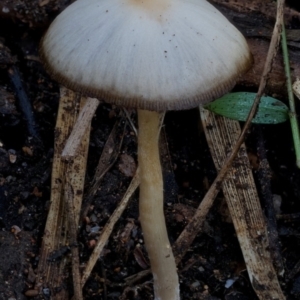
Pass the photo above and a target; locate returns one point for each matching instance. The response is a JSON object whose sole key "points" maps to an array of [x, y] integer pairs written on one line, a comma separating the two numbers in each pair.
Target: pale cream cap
{"points": [[149, 54]]}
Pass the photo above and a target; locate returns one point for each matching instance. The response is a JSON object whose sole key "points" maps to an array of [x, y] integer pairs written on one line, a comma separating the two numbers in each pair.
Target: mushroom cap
{"points": [[149, 54]]}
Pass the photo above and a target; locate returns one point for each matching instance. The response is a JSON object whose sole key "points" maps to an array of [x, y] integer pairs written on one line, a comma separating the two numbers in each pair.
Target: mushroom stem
{"points": [[166, 286]]}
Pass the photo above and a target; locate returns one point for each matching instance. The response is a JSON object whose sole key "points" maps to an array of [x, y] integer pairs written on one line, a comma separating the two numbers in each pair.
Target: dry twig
{"points": [[191, 230], [80, 128], [107, 159], [109, 227]]}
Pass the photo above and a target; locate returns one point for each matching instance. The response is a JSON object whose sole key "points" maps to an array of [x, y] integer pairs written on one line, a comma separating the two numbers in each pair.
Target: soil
{"points": [[213, 267]]}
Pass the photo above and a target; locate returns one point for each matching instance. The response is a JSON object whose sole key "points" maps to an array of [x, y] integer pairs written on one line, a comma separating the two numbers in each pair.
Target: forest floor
{"points": [[213, 267]]}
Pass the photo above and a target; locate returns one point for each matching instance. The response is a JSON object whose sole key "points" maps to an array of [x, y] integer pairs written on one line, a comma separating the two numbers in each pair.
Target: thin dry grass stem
{"points": [[129, 119], [131, 280], [294, 271], [51, 270], [80, 128], [243, 202], [108, 228], [191, 230], [108, 157]]}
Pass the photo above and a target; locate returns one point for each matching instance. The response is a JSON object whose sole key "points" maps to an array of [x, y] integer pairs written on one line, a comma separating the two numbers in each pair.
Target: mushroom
{"points": [[153, 55]]}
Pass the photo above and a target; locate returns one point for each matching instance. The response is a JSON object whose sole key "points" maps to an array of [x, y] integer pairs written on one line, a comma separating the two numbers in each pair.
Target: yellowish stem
{"points": [[166, 286]]}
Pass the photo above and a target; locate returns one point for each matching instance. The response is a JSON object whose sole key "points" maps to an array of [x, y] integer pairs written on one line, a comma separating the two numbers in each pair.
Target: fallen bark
{"points": [[63, 216], [243, 203]]}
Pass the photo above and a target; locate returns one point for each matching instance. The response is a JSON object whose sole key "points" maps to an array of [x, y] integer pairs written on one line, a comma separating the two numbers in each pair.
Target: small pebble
{"points": [[229, 282], [12, 156]]}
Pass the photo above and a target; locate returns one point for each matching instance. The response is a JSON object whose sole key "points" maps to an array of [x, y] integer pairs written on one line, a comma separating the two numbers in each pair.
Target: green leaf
{"points": [[237, 106]]}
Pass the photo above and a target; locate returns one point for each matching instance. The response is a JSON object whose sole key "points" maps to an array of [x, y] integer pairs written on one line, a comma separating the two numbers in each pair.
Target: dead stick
{"points": [[108, 228], [79, 129], [107, 159]]}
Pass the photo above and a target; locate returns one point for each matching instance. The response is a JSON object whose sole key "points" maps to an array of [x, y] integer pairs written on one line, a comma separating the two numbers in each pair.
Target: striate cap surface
{"points": [[148, 54]]}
